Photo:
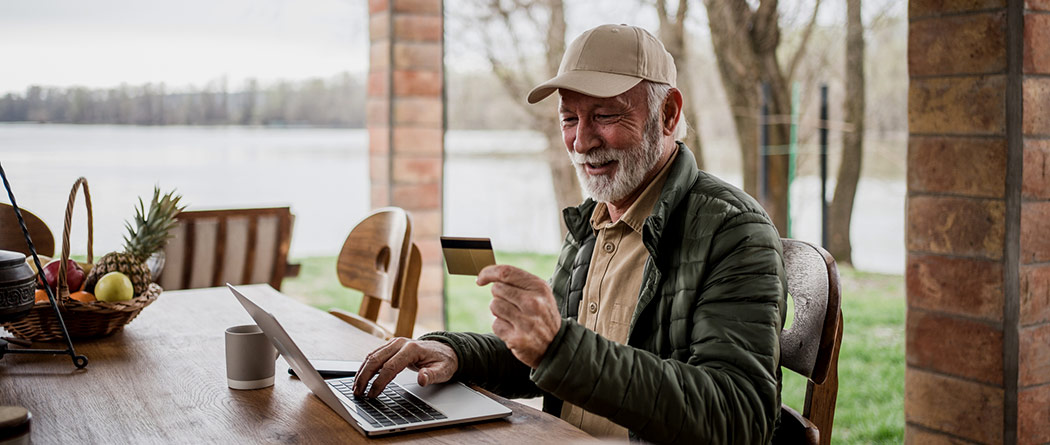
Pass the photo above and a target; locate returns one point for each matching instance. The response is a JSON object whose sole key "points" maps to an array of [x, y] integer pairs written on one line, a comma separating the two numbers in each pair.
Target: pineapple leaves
{"points": [[150, 229]]}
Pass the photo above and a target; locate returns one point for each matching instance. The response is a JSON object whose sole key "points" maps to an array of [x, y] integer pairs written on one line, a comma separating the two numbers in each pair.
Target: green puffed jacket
{"points": [[701, 363]]}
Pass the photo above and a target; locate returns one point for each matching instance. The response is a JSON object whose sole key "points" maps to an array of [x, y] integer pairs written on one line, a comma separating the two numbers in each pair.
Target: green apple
{"points": [[114, 286]]}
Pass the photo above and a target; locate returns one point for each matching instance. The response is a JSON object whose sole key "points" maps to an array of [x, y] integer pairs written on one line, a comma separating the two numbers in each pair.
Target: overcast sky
{"points": [[101, 43]]}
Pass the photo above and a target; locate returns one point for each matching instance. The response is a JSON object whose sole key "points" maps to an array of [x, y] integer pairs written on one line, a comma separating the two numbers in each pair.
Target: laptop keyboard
{"points": [[395, 406]]}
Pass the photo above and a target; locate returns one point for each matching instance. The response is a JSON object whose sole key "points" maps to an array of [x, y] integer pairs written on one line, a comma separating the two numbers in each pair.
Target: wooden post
{"points": [[978, 266], [406, 122]]}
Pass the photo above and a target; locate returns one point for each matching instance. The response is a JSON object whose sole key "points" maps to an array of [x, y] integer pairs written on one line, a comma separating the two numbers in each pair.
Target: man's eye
{"points": [[605, 117], [568, 120]]}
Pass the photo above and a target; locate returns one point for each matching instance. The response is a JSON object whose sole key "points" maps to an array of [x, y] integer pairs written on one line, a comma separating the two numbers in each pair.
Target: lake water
{"points": [[496, 184]]}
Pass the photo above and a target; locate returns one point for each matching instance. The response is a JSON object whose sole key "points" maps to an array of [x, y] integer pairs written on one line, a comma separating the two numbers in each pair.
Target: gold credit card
{"points": [[467, 256]]}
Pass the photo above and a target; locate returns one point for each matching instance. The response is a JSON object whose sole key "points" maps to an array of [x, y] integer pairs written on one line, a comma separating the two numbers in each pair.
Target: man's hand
{"points": [[527, 317], [436, 362]]}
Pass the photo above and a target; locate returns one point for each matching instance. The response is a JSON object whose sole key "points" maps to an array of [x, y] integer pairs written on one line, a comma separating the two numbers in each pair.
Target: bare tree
{"points": [[506, 26], [841, 209], [673, 36], [745, 43]]}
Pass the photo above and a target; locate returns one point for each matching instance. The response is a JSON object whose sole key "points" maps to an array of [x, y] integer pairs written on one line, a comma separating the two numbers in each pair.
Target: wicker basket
{"points": [[83, 320]]}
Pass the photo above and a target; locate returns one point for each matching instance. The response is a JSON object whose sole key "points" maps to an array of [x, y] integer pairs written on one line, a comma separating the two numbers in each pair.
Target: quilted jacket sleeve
{"points": [[728, 389], [487, 362]]}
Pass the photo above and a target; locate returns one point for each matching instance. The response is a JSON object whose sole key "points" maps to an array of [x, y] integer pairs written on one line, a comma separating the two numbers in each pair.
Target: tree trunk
{"points": [[738, 70], [841, 209], [673, 36], [567, 191], [510, 67], [775, 197], [745, 44]]}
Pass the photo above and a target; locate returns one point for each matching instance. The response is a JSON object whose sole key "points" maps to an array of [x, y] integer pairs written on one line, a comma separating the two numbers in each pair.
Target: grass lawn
{"points": [[870, 405]]}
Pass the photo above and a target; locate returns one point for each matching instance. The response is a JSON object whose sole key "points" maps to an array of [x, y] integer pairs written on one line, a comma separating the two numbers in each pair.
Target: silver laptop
{"points": [[403, 406]]}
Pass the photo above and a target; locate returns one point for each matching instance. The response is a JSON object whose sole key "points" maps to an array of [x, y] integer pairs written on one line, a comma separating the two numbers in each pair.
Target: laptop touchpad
{"points": [[453, 399]]}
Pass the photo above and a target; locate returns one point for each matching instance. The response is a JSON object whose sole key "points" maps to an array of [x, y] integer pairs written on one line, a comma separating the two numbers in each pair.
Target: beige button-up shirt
{"points": [[613, 282]]}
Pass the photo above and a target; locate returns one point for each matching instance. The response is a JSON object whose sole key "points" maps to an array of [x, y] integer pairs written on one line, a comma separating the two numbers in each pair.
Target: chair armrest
{"points": [[292, 270], [795, 429], [362, 323]]}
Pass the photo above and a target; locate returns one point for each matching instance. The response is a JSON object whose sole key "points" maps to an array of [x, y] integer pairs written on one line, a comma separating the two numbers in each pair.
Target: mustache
{"points": [[595, 156]]}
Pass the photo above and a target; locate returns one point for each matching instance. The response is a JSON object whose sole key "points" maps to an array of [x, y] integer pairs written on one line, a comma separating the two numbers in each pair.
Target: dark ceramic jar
{"points": [[15, 425], [17, 286]]}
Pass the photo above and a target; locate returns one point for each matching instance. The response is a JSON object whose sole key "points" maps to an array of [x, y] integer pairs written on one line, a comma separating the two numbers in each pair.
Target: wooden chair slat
{"points": [[239, 246], [369, 307], [220, 253], [362, 323], [266, 246], [407, 301], [235, 246], [205, 262], [283, 244], [822, 397], [379, 259], [189, 254], [174, 254], [370, 259], [796, 428], [12, 238], [810, 347], [249, 256], [809, 292]]}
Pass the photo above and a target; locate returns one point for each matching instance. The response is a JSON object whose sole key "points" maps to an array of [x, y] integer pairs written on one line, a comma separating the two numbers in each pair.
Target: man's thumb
{"points": [[431, 374]]}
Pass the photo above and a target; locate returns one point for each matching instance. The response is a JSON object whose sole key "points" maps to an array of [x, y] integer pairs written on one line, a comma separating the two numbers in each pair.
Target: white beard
{"points": [[633, 164]]}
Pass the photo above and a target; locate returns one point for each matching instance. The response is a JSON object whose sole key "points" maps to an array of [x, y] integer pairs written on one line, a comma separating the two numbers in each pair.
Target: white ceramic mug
{"points": [[250, 358]]}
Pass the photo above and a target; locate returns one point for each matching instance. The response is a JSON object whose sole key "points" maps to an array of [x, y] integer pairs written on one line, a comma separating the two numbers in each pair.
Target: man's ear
{"points": [[672, 111]]}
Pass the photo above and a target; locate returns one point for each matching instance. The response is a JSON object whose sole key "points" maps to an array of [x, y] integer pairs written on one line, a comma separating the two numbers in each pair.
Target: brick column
{"points": [[978, 230], [406, 121]]}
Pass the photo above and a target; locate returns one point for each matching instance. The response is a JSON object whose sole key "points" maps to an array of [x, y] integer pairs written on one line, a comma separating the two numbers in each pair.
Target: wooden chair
{"points": [[237, 246], [811, 346], [380, 260], [11, 237]]}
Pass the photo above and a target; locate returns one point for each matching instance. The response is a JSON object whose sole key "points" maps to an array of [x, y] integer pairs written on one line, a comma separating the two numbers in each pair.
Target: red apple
{"points": [[74, 274]]}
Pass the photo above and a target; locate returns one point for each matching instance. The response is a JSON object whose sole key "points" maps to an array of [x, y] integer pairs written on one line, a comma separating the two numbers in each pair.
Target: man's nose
{"points": [[586, 137]]}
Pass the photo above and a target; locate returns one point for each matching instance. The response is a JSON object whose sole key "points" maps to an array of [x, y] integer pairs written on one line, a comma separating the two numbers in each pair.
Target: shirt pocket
{"points": [[619, 322]]}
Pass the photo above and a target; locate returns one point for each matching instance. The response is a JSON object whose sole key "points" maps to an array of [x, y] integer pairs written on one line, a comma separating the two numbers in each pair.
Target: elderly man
{"points": [[661, 321]]}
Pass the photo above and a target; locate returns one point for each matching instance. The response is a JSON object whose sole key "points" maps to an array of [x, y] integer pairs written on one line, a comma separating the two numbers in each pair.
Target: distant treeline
{"points": [[333, 102]]}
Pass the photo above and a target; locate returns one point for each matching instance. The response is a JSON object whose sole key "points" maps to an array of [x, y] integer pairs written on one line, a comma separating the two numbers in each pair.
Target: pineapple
{"points": [[146, 236]]}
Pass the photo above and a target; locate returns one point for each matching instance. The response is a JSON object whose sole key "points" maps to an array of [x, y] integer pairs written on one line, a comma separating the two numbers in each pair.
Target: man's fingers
{"points": [[374, 361], [512, 294], [371, 364], [511, 275], [501, 328], [406, 356], [505, 307]]}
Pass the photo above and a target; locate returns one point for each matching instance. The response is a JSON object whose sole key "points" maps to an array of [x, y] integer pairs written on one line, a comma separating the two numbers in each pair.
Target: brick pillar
{"points": [[406, 121], [978, 230]]}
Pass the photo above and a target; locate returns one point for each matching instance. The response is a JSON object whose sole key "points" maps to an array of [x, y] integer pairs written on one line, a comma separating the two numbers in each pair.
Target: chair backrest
{"points": [[12, 238], [238, 246], [379, 259], [407, 298], [810, 347]]}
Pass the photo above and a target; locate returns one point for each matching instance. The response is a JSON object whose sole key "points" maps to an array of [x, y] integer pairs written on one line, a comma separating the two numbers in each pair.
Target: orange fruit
{"points": [[82, 296], [41, 295]]}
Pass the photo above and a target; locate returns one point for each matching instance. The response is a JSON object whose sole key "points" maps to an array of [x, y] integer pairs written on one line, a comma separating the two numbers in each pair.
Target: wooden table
{"points": [[163, 379]]}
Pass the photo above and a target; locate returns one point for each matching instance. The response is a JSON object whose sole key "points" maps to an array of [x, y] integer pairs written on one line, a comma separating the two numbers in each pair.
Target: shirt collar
{"points": [[641, 208]]}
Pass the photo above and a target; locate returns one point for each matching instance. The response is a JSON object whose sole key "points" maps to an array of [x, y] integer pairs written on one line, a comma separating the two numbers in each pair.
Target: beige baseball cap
{"points": [[609, 60]]}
